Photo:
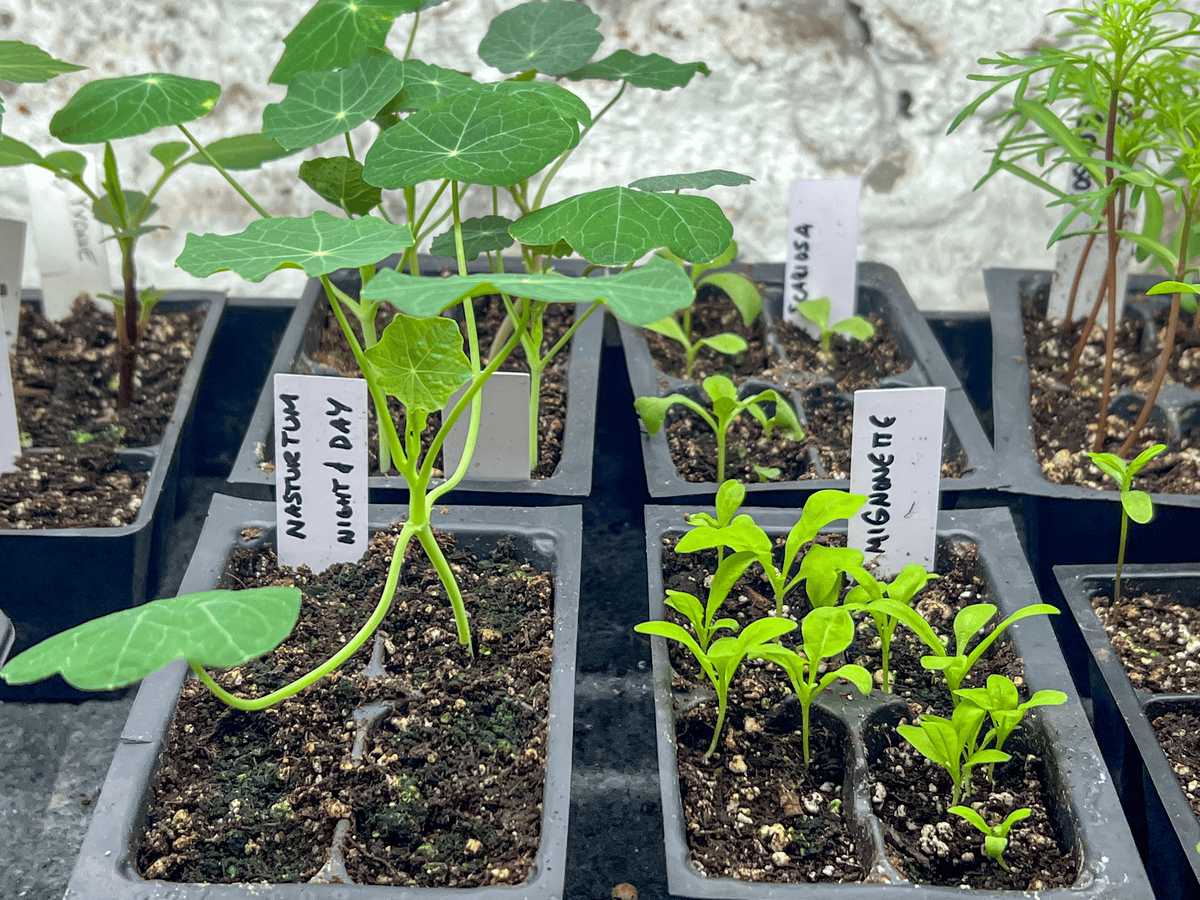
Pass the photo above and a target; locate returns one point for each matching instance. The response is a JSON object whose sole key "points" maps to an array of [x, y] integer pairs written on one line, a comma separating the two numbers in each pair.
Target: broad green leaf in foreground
{"points": [[615, 226], [17, 153], [339, 180], [23, 63], [321, 105], [554, 38], [211, 628], [334, 32], [482, 235], [420, 362], [492, 135], [691, 180], [426, 84], [113, 108], [639, 296], [652, 70], [242, 151], [318, 244]]}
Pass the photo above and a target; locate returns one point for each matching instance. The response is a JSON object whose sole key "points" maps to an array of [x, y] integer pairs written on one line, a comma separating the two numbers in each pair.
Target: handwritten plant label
{"points": [[70, 251], [822, 247], [896, 461], [320, 469], [1070, 250], [502, 447], [12, 261]]}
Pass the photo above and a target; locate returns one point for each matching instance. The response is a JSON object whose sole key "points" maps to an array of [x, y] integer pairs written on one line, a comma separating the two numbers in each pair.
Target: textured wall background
{"points": [[800, 88]]}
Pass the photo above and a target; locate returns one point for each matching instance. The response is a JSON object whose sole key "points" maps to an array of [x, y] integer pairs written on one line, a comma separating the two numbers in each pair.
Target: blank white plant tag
{"points": [[822, 247], [502, 445], [10, 432], [896, 461], [72, 258], [320, 469], [12, 261], [1070, 250]]}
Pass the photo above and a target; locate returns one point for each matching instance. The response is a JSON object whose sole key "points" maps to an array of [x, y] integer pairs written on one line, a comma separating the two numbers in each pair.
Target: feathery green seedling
{"points": [[826, 632], [867, 596], [854, 327], [726, 407], [1135, 504], [995, 837]]}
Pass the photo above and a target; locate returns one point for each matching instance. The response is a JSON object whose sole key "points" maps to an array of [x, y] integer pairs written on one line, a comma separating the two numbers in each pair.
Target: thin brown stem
{"points": [[1087, 251], [127, 331], [1110, 213], [1085, 335]]}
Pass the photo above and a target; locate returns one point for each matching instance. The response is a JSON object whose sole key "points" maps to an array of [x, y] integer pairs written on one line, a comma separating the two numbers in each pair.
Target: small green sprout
{"points": [[854, 327], [1135, 504], [742, 533], [720, 663], [766, 473], [725, 408], [866, 596], [701, 616], [1003, 704], [953, 744], [995, 837], [827, 631]]}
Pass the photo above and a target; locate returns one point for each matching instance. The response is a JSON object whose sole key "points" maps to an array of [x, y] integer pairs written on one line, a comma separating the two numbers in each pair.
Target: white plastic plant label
{"points": [[1069, 251], [502, 446], [10, 432], [72, 258], [822, 248], [320, 469], [12, 262], [896, 461]]}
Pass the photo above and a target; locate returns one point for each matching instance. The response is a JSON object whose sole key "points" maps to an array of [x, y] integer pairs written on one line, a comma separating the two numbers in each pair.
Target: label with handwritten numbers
{"points": [[896, 461], [320, 469], [1069, 251], [822, 247]]}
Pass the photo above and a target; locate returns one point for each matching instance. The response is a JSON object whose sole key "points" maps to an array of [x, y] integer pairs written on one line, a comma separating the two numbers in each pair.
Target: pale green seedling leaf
{"points": [[242, 151], [321, 105], [856, 327], [816, 311], [168, 153], [17, 153], [726, 343], [653, 410], [1174, 287], [211, 628], [420, 362], [23, 63], [491, 135], [1140, 461], [551, 37], [827, 631], [113, 108], [334, 32], [318, 244], [69, 161], [1138, 506], [339, 180], [821, 509], [617, 225], [486, 234], [1111, 464], [668, 326], [639, 296], [650, 70], [691, 180], [741, 290]]}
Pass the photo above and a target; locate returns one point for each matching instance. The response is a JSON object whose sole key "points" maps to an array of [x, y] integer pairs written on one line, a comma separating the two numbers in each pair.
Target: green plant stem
{"points": [[722, 702], [412, 35], [224, 174], [1120, 555], [369, 627], [349, 146]]}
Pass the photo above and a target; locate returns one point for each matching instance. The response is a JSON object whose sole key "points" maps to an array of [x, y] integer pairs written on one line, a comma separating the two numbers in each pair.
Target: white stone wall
{"points": [[800, 88]]}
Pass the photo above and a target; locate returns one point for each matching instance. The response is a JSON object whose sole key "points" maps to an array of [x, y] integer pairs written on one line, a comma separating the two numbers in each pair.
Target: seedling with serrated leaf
{"points": [[826, 632], [1135, 504], [726, 407], [868, 596], [854, 327], [995, 837], [723, 657], [741, 533], [953, 744]]}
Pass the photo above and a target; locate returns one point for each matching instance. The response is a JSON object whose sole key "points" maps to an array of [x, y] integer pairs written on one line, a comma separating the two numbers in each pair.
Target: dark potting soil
{"points": [[490, 313], [1064, 416], [750, 454], [64, 381], [738, 828], [1177, 734], [443, 788], [1156, 639]]}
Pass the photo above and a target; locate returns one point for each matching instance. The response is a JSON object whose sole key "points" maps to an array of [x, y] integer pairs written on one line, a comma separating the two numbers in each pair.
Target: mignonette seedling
{"points": [[1135, 504], [1002, 702], [869, 594], [726, 407], [953, 744], [995, 837]]}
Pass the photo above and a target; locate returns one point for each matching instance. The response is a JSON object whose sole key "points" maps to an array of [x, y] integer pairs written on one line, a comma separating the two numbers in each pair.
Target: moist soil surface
{"points": [[64, 383], [1065, 414], [744, 822], [1177, 734], [825, 382], [1156, 638], [490, 313], [441, 787]]}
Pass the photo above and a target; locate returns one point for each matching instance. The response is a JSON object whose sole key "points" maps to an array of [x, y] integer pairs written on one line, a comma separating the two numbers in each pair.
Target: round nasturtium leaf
{"points": [[552, 37], [339, 180], [420, 362], [334, 32], [651, 71], [691, 180], [485, 234], [211, 628], [113, 108]]}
